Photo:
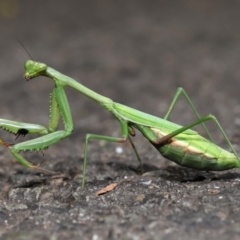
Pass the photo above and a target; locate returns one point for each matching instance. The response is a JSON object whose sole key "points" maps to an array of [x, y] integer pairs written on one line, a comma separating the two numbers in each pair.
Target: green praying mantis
{"points": [[179, 144]]}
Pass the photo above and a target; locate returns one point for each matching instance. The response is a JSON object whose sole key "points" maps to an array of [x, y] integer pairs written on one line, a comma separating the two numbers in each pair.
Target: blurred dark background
{"points": [[135, 52]]}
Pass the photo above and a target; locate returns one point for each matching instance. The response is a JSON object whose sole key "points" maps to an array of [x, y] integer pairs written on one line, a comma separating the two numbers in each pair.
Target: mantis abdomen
{"points": [[196, 152]]}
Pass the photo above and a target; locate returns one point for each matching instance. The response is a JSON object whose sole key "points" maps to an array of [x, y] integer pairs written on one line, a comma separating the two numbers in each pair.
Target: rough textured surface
{"points": [[136, 53]]}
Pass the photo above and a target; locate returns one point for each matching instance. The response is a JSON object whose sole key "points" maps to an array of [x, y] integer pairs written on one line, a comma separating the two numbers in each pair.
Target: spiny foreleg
{"points": [[59, 105]]}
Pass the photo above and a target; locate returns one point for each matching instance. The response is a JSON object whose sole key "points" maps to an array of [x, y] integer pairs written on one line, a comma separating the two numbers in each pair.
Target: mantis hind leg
{"points": [[175, 98], [201, 120]]}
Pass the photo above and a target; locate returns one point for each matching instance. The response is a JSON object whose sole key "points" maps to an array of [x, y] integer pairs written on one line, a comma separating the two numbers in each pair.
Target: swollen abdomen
{"points": [[198, 153]]}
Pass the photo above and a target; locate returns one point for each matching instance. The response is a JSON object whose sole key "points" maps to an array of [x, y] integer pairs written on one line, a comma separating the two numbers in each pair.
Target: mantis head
{"points": [[34, 69]]}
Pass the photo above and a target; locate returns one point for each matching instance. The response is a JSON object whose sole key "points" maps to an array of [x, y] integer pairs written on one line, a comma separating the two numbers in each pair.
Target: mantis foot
{"points": [[5, 144], [43, 169]]}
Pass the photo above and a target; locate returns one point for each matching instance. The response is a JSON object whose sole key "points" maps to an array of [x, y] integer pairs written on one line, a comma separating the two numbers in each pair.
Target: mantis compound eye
{"points": [[34, 69]]}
